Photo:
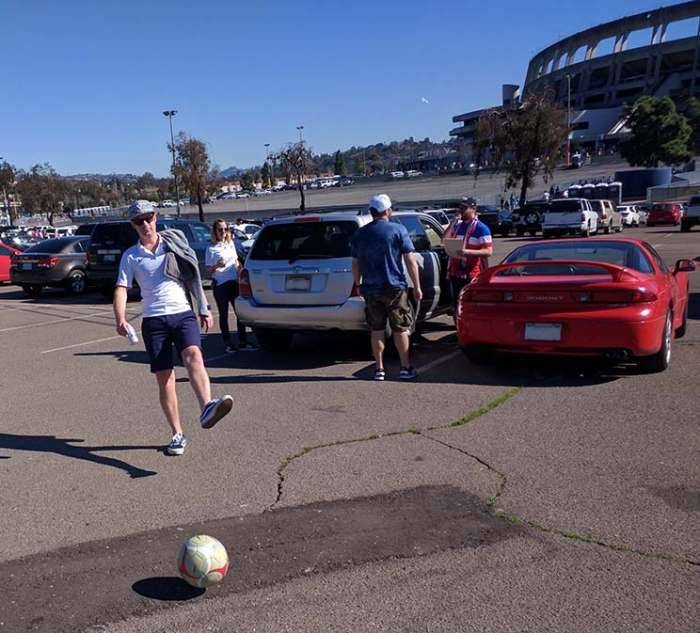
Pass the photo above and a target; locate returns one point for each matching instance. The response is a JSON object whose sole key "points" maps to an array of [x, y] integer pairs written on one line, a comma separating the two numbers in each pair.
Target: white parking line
{"points": [[437, 361], [97, 340], [76, 318]]}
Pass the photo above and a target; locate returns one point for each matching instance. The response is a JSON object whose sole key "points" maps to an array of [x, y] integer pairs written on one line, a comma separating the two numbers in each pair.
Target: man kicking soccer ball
{"points": [[166, 270]]}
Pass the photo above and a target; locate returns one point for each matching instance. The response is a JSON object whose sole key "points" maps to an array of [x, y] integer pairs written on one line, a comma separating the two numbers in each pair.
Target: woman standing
{"points": [[222, 263]]}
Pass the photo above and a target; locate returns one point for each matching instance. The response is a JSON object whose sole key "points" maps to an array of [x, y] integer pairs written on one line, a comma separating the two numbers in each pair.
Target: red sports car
{"points": [[6, 253], [613, 298]]}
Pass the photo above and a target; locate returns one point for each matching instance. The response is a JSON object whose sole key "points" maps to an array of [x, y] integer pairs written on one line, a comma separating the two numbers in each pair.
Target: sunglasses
{"points": [[221, 229], [140, 221]]}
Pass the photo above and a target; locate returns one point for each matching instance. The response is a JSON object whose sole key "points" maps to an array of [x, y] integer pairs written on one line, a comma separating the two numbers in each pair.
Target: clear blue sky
{"points": [[84, 83]]}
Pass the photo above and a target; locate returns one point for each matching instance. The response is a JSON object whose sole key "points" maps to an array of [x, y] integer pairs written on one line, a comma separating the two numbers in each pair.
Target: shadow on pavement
{"points": [[64, 446], [167, 588], [694, 306]]}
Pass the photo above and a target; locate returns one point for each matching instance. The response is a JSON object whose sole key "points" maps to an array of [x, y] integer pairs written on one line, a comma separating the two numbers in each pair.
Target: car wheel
{"points": [[680, 332], [606, 230], [587, 231], [274, 341], [33, 290], [477, 354], [76, 283], [662, 359]]}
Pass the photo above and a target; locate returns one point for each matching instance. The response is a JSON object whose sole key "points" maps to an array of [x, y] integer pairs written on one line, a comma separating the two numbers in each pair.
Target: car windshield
{"points": [[50, 246], [304, 240], [564, 206], [607, 251]]}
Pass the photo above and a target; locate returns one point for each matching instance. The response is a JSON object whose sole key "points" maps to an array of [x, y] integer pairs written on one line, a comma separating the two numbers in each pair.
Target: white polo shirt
{"points": [[161, 295]]}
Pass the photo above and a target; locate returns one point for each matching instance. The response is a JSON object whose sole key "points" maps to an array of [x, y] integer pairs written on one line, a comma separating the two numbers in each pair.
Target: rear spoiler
{"points": [[618, 273]]}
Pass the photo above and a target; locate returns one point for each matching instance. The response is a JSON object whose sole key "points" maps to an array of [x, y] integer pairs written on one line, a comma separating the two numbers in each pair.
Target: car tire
{"points": [[662, 359], [477, 354], [519, 232], [587, 231], [76, 284], [274, 341], [32, 290], [606, 230]]}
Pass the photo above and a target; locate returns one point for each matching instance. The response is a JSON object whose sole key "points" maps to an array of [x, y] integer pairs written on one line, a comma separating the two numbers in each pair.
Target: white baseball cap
{"points": [[139, 208], [379, 204]]}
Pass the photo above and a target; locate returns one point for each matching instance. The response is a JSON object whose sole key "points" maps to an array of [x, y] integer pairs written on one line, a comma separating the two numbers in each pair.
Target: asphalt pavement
{"points": [[526, 496]]}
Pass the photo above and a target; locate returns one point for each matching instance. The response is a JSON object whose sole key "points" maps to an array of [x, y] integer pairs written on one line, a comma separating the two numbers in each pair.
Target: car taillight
{"points": [[244, 289], [605, 215], [486, 296], [619, 296], [47, 262], [355, 292]]}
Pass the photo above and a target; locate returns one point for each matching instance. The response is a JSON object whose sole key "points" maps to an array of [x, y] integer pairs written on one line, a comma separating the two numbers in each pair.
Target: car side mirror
{"points": [[684, 266]]}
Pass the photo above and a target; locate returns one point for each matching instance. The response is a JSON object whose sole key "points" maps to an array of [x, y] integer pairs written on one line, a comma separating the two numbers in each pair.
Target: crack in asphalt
{"points": [[503, 479]]}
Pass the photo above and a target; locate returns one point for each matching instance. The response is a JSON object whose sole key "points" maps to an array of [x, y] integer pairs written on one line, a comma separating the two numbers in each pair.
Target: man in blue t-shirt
{"points": [[379, 251]]}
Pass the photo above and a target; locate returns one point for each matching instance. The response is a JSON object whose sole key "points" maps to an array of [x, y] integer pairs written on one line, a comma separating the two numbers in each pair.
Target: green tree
{"points": [[525, 141], [192, 167], [7, 182], [691, 112], [266, 176], [296, 159], [42, 190], [658, 133], [339, 167], [247, 180]]}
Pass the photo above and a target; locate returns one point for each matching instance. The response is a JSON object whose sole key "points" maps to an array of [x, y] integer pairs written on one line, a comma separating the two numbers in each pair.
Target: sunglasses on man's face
{"points": [[140, 221]]}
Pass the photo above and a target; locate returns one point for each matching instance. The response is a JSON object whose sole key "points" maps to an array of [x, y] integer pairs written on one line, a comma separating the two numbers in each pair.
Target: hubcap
{"points": [[78, 284]]}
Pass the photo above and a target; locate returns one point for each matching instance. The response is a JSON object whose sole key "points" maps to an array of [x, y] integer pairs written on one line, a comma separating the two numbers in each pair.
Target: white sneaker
{"points": [[214, 410]]}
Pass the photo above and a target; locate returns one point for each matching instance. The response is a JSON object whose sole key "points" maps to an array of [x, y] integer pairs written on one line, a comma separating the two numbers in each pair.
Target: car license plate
{"points": [[298, 283], [543, 331], [26, 266]]}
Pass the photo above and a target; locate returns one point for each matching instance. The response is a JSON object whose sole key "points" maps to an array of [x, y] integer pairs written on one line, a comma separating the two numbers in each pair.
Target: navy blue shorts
{"points": [[160, 333]]}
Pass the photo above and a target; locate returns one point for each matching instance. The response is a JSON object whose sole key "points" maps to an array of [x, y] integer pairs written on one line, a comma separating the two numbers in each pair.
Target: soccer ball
{"points": [[202, 561]]}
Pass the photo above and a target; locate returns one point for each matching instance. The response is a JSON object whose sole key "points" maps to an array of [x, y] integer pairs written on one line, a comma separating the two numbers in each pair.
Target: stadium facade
{"points": [[596, 72]]}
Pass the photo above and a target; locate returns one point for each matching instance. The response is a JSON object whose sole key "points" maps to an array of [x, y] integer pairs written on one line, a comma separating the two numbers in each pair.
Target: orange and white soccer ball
{"points": [[202, 561]]}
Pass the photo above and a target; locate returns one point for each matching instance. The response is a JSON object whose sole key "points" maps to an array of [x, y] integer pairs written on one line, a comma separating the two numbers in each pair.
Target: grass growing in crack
{"points": [[412, 430]]}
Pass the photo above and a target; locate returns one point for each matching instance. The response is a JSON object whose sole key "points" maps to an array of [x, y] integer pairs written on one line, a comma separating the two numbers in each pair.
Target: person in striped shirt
{"points": [[478, 247]]}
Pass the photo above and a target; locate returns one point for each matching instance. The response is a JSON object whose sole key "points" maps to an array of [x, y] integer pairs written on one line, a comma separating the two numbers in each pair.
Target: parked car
{"points": [[570, 216], [529, 217], [397, 174], [243, 194], [609, 220], [346, 181], [298, 276], [440, 216], [168, 204], [7, 252], [491, 216], [691, 217], [665, 213], [249, 228], [58, 263], [110, 239], [643, 212], [630, 215], [611, 298]]}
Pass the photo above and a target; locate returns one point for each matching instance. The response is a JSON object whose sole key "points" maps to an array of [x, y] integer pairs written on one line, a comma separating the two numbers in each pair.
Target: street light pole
{"points": [[267, 160], [568, 121], [170, 114]]}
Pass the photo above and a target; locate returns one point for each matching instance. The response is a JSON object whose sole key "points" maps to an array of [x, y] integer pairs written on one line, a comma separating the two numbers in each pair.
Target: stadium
{"points": [[596, 72]]}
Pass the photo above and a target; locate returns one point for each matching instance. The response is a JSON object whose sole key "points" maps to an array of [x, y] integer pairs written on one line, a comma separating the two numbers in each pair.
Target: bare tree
{"points": [[192, 166], [525, 141], [295, 159]]}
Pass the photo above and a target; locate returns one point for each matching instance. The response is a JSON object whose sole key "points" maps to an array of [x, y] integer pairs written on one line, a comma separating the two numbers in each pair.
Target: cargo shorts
{"points": [[392, 305]]}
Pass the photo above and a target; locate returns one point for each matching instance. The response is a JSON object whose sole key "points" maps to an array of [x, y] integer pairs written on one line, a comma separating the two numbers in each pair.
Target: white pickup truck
{"points": [[691, 215], [572, 216]]}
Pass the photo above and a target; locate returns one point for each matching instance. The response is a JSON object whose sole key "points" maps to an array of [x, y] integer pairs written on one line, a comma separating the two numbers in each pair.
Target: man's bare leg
{"points": [[168, 398], [199, 379], [378, 348]]}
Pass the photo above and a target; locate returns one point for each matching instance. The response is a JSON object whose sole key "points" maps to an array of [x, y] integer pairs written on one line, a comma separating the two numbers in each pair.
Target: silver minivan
{"points": [[298, 276]]}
